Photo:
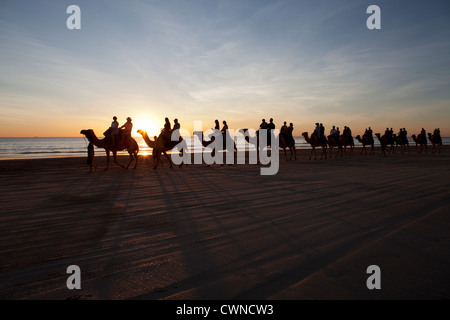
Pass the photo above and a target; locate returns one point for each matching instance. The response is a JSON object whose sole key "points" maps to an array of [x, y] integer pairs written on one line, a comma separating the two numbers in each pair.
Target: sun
{"points": [[148, 125]]}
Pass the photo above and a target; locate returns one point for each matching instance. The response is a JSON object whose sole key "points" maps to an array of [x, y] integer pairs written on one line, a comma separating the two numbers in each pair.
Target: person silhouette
{"points": [[176, 124], [284, 131], [224, 128], [263, 124], [424, 134], [167, 125], [270, 128], [291, 133], [333, 131], [284, 128], [90, 159], [317, 130], [217, 125], [114, 130], [322, 133], [126, 131]]}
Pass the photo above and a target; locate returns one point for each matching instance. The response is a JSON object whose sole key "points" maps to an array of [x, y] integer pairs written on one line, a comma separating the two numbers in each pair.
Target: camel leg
{"points": [[131, 160], [133, 156], [156, 158], [115, 160], [168, 158], [324, 153], [136, 156]]}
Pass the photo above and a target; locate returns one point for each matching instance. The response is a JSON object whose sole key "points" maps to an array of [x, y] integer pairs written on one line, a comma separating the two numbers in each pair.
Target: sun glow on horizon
{"points": [[146, 124]]}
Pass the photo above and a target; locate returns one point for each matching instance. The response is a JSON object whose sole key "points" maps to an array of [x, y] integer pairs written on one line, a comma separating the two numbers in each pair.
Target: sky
{"points": [[236, 60]]}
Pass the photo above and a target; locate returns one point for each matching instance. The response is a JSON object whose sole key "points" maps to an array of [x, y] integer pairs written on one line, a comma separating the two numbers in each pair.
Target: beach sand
{"points": [[226, 232]]}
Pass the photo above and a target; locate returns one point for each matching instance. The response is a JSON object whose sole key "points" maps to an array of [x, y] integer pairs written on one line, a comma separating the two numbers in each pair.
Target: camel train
{"points": [[163, 143]]}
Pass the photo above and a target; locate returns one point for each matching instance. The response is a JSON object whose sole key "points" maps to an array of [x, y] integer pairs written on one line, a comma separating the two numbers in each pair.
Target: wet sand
{"points": [[226, 232]]}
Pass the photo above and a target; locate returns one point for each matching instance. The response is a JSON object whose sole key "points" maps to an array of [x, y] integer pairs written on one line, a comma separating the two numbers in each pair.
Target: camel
{"points": [[420, 140], [334, 141], [283, 143], [132, 148], [401, 141], [366, 141], [385, 141], [314, 141], [159, 145], [347, 141], [436, 141], [152, 144]]}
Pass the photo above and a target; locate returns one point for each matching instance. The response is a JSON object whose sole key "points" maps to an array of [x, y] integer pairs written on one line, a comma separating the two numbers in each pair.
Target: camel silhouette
{"points": [[131, 146], [314, 141], [366, 141]]}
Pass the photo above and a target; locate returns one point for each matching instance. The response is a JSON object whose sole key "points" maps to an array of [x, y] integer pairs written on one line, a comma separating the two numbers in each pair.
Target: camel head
{"points": [[199, 134], [305, 134], [141, 132], [378, 135], [89, 133]]}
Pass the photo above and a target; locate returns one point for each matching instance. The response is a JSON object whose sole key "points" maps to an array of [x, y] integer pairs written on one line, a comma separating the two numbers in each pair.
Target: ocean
{"points": [[29, 148]]}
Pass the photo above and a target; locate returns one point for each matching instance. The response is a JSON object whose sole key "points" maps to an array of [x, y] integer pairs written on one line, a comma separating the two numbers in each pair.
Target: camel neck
{"points": [[147, 140], [97, 142]]}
